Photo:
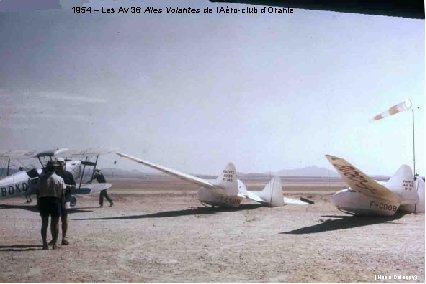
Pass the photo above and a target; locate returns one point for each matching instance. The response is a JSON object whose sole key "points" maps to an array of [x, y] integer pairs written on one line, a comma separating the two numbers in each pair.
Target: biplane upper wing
{"points": [[85, 152], [50, 153], [187, 177], [61, 152], [12, 159], [359, 181], [18, 154], [65, 152]]}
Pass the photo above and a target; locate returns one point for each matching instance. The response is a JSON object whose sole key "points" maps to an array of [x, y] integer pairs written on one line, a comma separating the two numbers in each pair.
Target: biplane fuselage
{"points": [[15, 185]]}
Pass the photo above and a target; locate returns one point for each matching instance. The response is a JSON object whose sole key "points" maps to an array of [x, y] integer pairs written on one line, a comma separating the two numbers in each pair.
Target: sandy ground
{"points": [[157, 231]]}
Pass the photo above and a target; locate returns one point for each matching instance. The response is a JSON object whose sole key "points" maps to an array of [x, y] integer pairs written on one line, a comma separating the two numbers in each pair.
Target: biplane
{"points": [[23, 181]]}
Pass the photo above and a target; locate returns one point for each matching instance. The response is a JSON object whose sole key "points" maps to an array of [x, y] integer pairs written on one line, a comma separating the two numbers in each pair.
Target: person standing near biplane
{"points": [[50, 195], [98, 175], [69, 185]]}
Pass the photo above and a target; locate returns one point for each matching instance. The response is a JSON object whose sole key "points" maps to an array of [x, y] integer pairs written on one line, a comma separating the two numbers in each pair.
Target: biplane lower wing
{"points": [[91, 188]]}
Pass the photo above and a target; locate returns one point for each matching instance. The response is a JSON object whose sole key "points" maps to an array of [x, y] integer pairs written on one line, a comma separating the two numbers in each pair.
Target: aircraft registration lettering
{"points": [[12, 190], [230, 200], [408, 184], [228, 175], [383, 206]]}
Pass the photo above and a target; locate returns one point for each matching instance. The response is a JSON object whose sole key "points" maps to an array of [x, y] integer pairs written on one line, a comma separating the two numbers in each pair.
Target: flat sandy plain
{"points": [[157, 231]]}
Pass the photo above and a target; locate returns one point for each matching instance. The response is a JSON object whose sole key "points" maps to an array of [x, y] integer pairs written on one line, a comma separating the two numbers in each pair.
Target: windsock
{"points": [[405, 105]]}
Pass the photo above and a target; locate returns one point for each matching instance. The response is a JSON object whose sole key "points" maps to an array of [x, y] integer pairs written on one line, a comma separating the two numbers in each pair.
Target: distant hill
{"points": [[312, 171]]}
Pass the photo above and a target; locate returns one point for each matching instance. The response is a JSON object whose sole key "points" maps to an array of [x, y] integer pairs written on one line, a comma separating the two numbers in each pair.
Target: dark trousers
{"points": [[102, 195]]}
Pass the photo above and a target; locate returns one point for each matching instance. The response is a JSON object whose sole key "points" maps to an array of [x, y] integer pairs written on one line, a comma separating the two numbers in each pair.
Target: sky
{"points": [[194, 92]]}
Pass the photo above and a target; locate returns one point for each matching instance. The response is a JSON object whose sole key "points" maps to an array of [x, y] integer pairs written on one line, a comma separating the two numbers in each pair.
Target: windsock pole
{"points": [[414, 149]]}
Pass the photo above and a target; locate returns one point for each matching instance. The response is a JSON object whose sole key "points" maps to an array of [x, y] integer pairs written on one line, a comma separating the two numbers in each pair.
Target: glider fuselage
{"points": [[216, 198], [356, 203]]}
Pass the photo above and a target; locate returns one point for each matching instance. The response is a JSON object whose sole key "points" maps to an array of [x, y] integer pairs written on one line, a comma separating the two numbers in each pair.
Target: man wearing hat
{"points": [[50, 194], [69, 185]]}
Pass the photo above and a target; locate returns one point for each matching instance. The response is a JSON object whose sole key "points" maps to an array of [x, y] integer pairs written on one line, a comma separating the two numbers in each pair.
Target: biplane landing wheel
{"points": [[73, 201]]}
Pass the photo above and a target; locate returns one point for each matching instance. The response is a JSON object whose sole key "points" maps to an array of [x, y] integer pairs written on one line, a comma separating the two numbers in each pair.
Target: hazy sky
{"points": [[196, 91]]}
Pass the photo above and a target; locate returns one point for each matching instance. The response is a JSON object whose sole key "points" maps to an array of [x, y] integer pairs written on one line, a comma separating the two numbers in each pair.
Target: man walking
{"points": [[104, 193]]}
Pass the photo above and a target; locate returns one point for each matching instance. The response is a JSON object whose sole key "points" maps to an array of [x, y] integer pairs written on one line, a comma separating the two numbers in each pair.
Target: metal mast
{"points": [[414, 147]]}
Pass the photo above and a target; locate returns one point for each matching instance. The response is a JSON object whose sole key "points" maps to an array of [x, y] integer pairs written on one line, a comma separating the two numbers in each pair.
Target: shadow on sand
{"points": [[33, 208], [20, 247], [340, 222], [29, 207], [80, 210], [178, 213]]}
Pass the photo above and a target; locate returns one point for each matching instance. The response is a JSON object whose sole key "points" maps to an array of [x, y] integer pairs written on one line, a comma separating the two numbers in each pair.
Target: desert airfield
{"points": [[157, 231]]}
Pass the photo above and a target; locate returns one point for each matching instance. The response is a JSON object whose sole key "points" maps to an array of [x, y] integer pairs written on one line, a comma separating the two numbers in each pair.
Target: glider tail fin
{"points": [[228, 180], [403, 174], [272, 193], [402, 183]]}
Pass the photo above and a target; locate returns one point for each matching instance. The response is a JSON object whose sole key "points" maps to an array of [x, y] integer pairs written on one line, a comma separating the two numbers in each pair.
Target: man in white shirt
{"points": [[50, 194]]}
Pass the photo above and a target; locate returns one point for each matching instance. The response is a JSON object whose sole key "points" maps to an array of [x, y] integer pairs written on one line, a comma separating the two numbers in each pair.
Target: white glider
{"points": [[365, 196], [226, 190]]}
